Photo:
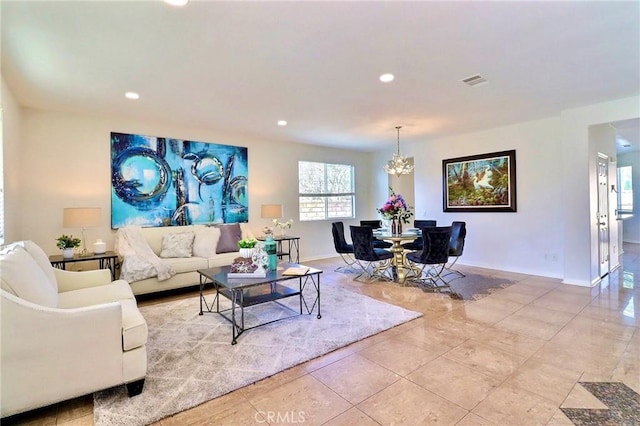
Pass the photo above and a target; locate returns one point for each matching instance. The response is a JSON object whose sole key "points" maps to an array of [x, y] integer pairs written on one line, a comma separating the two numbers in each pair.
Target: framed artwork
{"points": [[159, 181], [480, 183]]}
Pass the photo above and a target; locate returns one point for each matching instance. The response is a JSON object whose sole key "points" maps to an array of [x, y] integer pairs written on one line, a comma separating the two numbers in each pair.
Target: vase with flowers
{"points": [[67, 243], [396, 210], [282, 225]]}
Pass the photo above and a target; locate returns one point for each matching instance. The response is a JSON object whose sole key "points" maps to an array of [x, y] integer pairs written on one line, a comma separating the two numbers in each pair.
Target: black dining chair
{"points": [[429, 263], [416, 245], [456, 245], [376, 224], [375, 262], [344, 249]]}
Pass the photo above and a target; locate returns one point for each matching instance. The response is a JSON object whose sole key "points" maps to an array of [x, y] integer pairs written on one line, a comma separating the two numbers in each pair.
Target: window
{"points": [[326, 191], [625, 190]]}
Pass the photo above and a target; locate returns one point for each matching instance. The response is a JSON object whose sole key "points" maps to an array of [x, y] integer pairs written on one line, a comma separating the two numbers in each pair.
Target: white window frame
{"points": [[325, 195]]}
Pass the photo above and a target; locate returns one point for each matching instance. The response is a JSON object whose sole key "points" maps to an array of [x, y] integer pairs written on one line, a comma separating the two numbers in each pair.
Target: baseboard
{"points": [[537, 273], [581, 283]]}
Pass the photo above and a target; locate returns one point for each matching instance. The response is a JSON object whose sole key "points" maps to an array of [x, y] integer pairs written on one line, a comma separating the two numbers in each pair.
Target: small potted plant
{"points": [[67, 243], [247, 245]]}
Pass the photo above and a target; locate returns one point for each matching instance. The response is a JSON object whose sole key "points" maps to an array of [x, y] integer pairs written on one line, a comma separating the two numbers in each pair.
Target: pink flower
{"points": [[395, 208]]}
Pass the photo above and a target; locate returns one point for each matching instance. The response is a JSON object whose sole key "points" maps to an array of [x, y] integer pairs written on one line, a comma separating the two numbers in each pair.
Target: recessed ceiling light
{"points": [[176, 2], [386, 78], [132, 95], [282, 122]]}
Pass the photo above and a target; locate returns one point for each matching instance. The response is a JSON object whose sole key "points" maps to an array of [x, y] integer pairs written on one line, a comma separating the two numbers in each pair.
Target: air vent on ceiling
{"points": [[474, 80]]}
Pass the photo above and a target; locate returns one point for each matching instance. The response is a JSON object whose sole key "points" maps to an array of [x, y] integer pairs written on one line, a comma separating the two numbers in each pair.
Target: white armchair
{"points": [[64, 334]]}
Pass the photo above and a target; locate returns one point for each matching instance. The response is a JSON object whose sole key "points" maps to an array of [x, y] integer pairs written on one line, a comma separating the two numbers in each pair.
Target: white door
{"points": [[603, 213]]}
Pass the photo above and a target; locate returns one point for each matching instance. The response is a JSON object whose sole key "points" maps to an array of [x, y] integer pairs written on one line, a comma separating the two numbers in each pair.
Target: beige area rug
{"points": [[191, 359]]}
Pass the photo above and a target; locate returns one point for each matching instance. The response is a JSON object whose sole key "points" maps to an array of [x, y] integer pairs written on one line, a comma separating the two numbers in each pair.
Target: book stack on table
{"points": [[296, 270], [243, 267]]}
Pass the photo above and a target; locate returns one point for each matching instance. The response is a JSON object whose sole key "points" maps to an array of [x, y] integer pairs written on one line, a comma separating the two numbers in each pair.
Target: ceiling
{"points": [[242, 66]]}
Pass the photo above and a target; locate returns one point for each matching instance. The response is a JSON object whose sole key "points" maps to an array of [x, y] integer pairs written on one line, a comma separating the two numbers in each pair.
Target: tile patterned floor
{"points": [[623, 406], [524, 355]]}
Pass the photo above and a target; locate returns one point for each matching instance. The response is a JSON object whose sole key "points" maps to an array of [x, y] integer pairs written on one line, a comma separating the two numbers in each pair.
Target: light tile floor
{"points": [[512, 358]]}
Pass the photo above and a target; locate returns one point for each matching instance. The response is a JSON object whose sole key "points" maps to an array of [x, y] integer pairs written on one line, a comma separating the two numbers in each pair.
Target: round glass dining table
{"points": [[398, 262]]}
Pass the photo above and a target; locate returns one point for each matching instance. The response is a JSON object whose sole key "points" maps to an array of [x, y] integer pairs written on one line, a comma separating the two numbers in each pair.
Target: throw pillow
{"points": [[177, 244], [206, 242], [246, 231], [229, 237]]}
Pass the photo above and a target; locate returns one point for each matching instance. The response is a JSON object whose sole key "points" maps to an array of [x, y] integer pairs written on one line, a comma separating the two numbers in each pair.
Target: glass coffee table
{"points": [[246, 292]]}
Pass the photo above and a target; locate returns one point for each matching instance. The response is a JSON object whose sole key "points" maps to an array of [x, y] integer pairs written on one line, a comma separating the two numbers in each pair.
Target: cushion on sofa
{"points": [[114, 292], [188, 264], [41, 259], [206, 242], [229, 236], [134, 326], [154, 235], [21, 275], [177, 244]]}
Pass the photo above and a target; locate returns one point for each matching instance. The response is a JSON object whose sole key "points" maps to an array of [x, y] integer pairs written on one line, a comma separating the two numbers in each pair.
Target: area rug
{"points": [[470, 287], [476, 286], [191, 359]]}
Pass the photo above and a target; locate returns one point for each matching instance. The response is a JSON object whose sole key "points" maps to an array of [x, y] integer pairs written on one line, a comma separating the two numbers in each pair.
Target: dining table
{"points": [[398, 262]]}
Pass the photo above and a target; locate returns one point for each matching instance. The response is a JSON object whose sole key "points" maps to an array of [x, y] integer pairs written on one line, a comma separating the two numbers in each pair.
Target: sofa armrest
{"points": [[51, 354], [74, 280]]}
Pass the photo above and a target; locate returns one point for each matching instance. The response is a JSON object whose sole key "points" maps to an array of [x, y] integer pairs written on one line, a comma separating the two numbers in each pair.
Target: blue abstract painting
{"points": [[166, 182]]}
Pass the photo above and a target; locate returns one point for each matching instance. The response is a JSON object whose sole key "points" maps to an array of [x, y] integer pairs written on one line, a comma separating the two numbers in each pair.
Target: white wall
{"points": [[631, 227], [55, 160], [552, 232], [528, 241], [66, 163], [581, 232], [11, 119]]}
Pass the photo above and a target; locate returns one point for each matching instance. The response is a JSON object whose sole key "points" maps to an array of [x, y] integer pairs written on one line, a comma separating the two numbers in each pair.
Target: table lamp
{"points": [[81, 217], [271, 211]]}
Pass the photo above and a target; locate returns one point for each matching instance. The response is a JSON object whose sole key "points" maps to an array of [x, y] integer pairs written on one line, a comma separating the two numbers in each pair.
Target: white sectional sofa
{"points": [[64, 334], [207, 240]]}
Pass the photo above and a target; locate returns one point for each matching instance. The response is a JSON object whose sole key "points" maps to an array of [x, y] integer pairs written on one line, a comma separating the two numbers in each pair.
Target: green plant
{"points": [[67, 241], [247, 243]]}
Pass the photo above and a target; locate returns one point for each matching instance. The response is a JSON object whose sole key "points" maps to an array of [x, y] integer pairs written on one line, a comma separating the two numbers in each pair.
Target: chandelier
{"points": [[399, 165]]}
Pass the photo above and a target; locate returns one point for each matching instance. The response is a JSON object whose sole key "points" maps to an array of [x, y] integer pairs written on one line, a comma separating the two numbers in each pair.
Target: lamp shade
{"points": [[271, 211], [81, 217]]}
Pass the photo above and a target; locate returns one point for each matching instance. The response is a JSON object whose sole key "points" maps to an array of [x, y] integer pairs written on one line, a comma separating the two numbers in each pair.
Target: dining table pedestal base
{"points": [[402, 269]]}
